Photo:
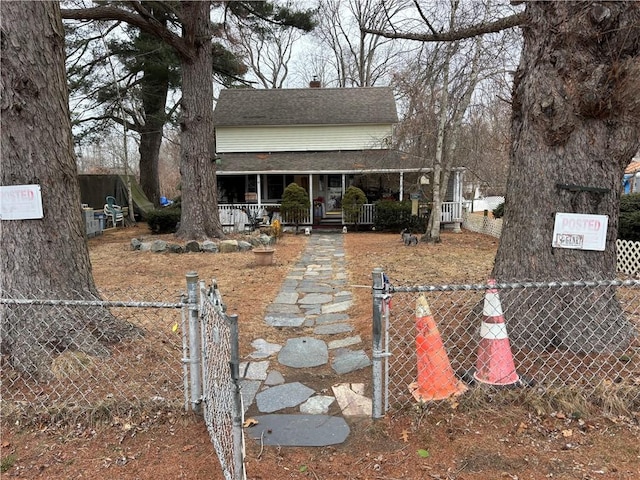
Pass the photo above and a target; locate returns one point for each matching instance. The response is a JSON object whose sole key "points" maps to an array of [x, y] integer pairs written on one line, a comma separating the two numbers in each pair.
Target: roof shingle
{"points": [[305, 106]]}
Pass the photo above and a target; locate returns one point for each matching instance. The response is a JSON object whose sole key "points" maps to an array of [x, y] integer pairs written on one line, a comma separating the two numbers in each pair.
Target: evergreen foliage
{"points": [[352, 202], [629, 219], [295, 204], [498, 212], [394, 216], [164, 220]]}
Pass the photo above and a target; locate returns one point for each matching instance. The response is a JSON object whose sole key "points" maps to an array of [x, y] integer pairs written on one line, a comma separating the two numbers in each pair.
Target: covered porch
{"points": [[252, 184]]}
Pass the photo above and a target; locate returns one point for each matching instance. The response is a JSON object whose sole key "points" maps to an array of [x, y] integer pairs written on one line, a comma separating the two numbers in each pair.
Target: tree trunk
{"points": [[155, 87], [154, 98], [433, 225], [199, 219], [576, 112], [43, 258]]}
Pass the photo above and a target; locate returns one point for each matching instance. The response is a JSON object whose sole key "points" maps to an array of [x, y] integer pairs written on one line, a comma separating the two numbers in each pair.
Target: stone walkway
{"points": [[313, 298]]}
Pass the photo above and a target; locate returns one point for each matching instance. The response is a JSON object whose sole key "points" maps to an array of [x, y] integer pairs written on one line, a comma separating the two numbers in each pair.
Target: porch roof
{"points": [[359, 161]]}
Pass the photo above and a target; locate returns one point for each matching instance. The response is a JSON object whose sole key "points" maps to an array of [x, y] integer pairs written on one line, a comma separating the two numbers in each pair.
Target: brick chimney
{"points": [[315, 83]]}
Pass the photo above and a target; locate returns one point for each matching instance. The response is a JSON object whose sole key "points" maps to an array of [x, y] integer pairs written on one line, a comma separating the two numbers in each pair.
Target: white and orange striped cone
{"points": [[436, 380], [494, 365]]}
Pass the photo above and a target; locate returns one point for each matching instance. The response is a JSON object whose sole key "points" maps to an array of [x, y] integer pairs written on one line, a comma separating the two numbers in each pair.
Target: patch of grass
{"points": [[7, 462]]}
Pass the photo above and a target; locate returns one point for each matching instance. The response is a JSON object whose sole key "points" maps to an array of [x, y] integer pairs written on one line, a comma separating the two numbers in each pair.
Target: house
{"points": [[631, 179], [324, 139]]}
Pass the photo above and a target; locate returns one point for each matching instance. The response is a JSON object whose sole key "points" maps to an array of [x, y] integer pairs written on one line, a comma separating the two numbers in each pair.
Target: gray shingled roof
{"points": [[325, 162], [305, 106]]}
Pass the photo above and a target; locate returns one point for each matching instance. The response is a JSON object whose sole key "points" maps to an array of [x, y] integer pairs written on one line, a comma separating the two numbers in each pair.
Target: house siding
{"points": [[301, 138]]}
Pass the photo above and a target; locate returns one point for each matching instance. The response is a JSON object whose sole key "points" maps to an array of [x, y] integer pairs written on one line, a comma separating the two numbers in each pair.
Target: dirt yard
{"points": [[464, 441]]}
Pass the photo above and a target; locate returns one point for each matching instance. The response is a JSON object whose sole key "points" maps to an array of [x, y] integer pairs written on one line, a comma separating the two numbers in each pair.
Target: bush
{"points": [[393, 216], [353, 199], [629, 219], [295, 204], [498, 212], [164, 220]]}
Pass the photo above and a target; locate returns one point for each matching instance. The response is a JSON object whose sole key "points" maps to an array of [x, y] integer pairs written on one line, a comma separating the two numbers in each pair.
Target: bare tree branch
{"points": [[469, 32]]}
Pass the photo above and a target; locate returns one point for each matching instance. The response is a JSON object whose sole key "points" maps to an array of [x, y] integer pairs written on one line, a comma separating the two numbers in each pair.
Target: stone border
{"points": [[207, 246]]}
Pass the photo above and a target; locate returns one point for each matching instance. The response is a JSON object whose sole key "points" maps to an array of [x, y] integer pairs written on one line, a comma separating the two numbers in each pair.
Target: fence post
{"points": [[194, 341], [378, 354], [234, 364]]}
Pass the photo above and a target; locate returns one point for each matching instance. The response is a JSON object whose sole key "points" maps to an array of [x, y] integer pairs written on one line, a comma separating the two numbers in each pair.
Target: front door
{"points": [[334, 192]]}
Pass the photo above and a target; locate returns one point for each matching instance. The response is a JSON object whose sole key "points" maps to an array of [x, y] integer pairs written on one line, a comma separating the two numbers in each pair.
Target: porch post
{"points": [[258, 186], [457, 197], [401, 186], [311, 198], [344, 183]]}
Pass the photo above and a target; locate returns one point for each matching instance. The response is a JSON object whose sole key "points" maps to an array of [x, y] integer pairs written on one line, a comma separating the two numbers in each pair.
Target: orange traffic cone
{"points": [[436, 380], [494, 365]]}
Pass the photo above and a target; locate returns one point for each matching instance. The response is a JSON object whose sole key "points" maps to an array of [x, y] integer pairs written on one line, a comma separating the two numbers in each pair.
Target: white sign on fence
{"points": [[20, 202], [580, 231]]}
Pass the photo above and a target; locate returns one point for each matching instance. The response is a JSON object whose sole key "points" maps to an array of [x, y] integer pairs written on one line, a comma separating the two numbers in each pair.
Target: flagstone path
{"points": [[314, 295]]}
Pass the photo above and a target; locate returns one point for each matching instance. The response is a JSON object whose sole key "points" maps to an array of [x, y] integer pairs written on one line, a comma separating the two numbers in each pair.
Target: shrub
{"points": [[353, 199], [498, 212], [393, 216], [295, 204], [164, 220], [629, 219]]}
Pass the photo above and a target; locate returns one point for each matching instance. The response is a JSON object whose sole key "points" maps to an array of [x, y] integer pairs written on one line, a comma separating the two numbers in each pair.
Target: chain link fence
{"points": [[223, 412], [91, 354], [578, 336]]}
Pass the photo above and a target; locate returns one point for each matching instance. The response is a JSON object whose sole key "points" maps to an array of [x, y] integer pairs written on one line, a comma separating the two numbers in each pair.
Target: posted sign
{"points": [[580, 231], [20, 202]]}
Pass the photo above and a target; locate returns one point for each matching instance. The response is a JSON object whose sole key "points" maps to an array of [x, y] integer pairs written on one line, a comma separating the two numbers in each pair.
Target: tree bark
{"points": [[42, 258], [154, 98], [576, 111], [199, 219]]}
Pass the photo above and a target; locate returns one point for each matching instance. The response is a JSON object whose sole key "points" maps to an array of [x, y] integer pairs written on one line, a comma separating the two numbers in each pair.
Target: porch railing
{"points": [[451, 212], [236, 216]]}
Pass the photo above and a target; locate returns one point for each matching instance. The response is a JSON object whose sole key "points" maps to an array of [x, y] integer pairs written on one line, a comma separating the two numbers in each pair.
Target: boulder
{"points": [[209, 246], [228, 246], [159, 246], [192, 246]]}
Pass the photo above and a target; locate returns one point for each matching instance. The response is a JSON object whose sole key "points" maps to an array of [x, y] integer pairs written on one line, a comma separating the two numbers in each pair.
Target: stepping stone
{"points": [[315, 299], [336, 307], [315, 288], [254, 370], [283, 308], [332, 329], [263, 348], [350, 361], [289, 298], [350, 397], [248, 390], [344, 342], [304, 352], [284, 320], [282, 396], [343, 293], [317, 405], [274, 378], [332, 318], [299, 430]]}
